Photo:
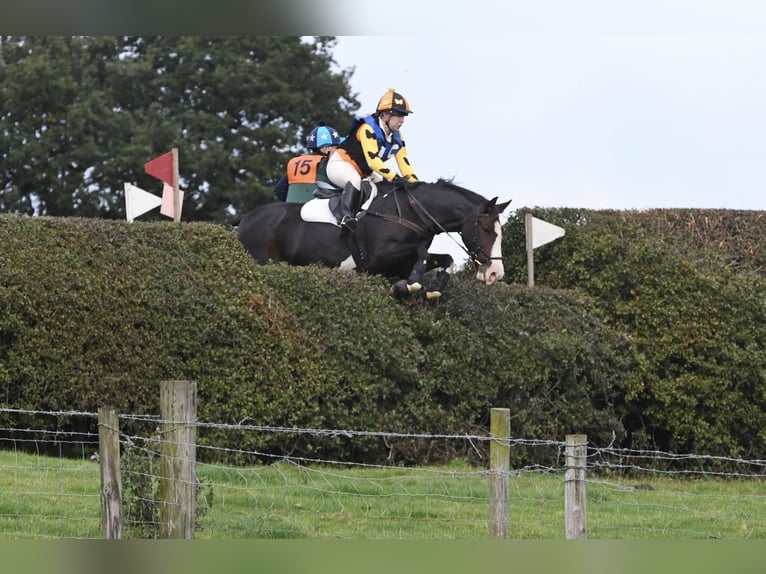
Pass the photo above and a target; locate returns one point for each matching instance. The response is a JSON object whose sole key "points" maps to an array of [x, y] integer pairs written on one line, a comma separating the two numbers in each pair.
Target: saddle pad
{"points": [[318, 210]]}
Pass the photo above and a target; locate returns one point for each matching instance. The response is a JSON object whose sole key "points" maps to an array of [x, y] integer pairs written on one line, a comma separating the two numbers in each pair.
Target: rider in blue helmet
{"points": [[322, 136], [307, 172]]}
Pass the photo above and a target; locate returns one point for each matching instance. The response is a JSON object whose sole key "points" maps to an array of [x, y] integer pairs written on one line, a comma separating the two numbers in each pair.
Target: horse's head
{"points": [[482, 236]]}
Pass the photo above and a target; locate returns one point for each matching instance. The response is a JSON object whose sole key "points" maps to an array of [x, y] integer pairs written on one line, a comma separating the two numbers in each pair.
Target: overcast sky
{"points": [[661, 116]]}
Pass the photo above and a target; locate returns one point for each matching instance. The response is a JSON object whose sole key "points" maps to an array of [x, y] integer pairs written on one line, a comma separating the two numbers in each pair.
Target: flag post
{"points": [[165, 168], [538, 232], [176, 191], [530, 250]]}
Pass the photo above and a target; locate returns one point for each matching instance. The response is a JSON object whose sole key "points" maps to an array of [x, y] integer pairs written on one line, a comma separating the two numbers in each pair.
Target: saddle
{"points": [[325, 207]]}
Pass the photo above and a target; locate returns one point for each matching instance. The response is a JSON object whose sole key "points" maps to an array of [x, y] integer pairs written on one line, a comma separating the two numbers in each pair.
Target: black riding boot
{"points": [[348, 207]]}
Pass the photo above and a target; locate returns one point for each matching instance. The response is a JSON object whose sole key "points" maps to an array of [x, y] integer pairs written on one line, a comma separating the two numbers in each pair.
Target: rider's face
{"points": [[328, 149], [395, 122]]}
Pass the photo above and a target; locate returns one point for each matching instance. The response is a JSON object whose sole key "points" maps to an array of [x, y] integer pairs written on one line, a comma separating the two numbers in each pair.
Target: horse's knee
{"points": [[402, 289], [399, 289]]}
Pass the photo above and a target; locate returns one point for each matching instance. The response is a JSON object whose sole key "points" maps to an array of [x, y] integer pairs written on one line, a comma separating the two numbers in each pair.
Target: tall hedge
{"points": [[96, 312], [687, 288]]}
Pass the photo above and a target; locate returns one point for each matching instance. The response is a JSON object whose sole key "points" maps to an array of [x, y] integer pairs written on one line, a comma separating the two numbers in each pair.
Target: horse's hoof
{"points": [[414, 287], [433, 295], [399, 289]]}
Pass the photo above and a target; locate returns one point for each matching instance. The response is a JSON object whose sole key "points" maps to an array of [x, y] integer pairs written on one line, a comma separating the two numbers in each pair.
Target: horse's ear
{"points": [[493, 206], [502, 206]]}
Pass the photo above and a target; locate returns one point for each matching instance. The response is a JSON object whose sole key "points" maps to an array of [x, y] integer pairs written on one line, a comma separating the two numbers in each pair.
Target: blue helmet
{"points": [[321, 136]]}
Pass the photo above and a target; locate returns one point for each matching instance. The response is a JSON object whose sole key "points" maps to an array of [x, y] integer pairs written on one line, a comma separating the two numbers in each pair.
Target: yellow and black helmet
{"points": [[393, 101]]}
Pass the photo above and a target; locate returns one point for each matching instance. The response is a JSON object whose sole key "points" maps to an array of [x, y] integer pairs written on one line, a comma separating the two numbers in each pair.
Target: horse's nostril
{"points": [[483, 276]]}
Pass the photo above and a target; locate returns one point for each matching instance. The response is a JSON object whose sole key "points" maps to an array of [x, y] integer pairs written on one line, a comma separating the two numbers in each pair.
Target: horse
{"points": [[392, 236]]}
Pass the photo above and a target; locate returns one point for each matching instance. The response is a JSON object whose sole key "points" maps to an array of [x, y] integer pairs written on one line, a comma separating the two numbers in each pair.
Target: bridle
{"points": [[478, 256], [475, 255]]}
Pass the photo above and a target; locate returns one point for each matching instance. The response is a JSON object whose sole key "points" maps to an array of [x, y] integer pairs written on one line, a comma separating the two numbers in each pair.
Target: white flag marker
{"points": [[544, 232], [138, 201], [538, 232]]}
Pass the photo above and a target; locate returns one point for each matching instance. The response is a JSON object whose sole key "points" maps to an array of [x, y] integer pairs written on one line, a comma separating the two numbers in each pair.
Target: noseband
{"points": [[478, 255]]}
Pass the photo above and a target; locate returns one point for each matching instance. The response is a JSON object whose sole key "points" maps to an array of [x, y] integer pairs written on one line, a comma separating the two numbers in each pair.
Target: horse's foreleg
{"points": [[444, 263], [414, 282], [441, 261]]}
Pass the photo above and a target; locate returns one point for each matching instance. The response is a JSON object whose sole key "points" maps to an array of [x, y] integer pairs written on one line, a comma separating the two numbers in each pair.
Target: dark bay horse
{"points": [[392, 236]]}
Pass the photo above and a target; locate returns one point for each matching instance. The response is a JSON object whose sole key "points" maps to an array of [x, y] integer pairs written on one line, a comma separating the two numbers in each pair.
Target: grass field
{"points": [[45, 497]]}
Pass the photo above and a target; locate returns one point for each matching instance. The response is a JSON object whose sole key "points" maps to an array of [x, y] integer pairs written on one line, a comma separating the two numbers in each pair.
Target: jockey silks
{"points": [[368, 147]]}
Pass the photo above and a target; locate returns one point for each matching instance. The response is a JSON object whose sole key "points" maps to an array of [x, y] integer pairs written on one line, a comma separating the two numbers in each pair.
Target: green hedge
{"points": [[687, 288], [630, 335]]}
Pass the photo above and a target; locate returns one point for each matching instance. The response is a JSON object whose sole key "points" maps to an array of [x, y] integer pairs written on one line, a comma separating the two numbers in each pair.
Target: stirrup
{"points": [[348, 223]]}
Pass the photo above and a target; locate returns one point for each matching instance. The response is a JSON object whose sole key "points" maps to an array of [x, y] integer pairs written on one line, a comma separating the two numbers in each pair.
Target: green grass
{"points": [[45, 497]]}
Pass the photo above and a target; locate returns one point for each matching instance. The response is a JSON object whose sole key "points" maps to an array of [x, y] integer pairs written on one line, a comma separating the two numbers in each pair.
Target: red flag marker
{"points": [[161, 168]]}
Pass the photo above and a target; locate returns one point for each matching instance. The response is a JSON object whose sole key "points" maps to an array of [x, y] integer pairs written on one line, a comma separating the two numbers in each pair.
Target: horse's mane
{"points": [[447, 183]]}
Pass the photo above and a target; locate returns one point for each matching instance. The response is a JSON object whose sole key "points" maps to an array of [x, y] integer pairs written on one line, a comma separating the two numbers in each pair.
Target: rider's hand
{"points": [[400, 181]]}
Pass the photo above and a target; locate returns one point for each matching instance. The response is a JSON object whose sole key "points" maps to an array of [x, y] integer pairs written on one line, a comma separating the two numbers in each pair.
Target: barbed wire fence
{"points": [[52, 485]]}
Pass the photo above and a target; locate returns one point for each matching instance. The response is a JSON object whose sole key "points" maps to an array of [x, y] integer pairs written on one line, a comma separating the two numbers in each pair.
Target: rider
{"points": [[307, 172], [372, 140]]}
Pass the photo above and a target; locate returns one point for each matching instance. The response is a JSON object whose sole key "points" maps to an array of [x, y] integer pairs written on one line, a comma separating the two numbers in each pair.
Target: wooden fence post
{"points": [[111, 479], [575, 516], [178, 453], [499, 465]]}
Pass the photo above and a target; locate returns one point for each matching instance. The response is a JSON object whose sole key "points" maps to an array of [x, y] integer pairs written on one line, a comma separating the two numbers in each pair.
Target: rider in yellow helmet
{"points": [[372, 141]]}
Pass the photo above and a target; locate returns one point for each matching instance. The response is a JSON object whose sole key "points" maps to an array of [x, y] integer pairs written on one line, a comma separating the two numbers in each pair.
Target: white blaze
{"points": [[495, 270]]}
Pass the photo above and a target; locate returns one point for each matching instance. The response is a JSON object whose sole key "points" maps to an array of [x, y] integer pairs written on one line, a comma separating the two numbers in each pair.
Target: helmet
{"points": [[321, 136], [392, 101]]}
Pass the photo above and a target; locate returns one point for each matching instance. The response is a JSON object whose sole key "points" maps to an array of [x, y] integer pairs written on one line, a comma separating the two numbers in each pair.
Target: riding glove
{"points": [[400, 181]]}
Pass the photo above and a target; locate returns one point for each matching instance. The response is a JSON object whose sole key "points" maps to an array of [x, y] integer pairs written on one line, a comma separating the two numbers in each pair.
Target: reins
{"points": [[401, 221], [427, 231]]}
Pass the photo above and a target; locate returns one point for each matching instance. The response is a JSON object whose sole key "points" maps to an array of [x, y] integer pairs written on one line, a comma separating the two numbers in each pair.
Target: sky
{"points": [[631, 111]]}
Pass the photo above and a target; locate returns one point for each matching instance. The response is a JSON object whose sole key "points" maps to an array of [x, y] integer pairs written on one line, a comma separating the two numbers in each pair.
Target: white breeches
{"points": [[339, 171]]}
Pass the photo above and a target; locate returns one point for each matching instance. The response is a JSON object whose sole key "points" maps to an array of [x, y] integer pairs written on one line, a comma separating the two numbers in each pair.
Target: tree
{"points": [[79, 116]]}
